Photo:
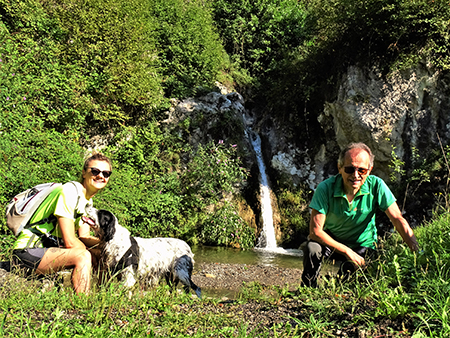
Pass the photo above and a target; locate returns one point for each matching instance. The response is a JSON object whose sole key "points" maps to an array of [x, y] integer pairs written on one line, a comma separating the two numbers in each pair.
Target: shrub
{"points": [[151, 196], [189, 48], [294, 212], [212, 176], [213, 173], [258, 35], [224, 227], [34, 82], [114, 41], [30, 155]]}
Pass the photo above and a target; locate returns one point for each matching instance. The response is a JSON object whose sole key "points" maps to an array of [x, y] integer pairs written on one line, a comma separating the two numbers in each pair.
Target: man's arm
{"points": [[316, 233], [402, 226]]}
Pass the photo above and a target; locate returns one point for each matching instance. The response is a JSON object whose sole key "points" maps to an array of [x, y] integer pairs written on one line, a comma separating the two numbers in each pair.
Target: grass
{"points": [[403, 294]]}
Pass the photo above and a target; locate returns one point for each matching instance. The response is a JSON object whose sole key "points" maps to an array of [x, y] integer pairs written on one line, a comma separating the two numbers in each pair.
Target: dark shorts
{"points": [[29, 258]]}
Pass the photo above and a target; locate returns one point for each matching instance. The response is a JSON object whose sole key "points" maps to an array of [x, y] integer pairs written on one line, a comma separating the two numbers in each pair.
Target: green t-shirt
{"points": [[352, 224], [66, 201]]}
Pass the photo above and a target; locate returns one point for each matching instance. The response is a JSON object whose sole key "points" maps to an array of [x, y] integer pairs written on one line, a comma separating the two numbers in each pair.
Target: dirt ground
{"points": [[216, 276]]}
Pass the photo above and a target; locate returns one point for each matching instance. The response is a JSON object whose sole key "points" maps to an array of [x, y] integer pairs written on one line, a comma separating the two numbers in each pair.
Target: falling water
{"points": [[267, 238], [266, 248]]}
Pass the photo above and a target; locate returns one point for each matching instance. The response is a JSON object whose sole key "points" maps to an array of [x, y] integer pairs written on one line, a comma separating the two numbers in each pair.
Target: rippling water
{"points": [[285, 258]]}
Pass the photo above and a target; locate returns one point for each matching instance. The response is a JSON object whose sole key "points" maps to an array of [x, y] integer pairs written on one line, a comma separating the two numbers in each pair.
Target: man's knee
{"points": [[312, 259], [314, 249]]}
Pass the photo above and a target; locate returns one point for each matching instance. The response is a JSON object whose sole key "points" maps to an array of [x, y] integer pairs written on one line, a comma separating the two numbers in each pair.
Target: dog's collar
{"points": [[130, 257]]}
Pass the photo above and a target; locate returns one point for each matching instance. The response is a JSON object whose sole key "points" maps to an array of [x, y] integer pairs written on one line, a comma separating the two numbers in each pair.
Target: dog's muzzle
{"points": [[89, 221]]}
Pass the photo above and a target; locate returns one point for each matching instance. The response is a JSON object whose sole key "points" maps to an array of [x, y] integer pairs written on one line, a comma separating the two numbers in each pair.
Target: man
{"points": [[342, 223]]}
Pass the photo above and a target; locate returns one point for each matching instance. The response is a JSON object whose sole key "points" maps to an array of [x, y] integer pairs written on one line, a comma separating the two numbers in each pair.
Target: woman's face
{"points": [[94, 176]]}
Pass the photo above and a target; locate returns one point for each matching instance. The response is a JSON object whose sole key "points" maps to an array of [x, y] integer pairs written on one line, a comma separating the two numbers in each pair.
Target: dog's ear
{"points": [[107, 222], [105, 218]]}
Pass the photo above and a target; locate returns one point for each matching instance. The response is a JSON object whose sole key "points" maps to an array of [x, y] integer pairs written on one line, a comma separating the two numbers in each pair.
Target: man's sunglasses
{"points": [[351, 170], [96, 171]]}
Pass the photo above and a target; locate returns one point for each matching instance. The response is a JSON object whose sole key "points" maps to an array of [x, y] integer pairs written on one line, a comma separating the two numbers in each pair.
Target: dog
{"points": [[145, 260]]}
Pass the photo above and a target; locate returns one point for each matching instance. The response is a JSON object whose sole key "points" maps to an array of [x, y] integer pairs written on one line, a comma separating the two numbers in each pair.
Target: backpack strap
{"points": [[77, 184], [51, 219], [37, 232]]}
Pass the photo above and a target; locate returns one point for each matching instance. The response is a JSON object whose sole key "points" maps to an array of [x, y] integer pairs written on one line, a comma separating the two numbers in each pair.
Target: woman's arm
{"points": [[67, 227], [84, 234]]}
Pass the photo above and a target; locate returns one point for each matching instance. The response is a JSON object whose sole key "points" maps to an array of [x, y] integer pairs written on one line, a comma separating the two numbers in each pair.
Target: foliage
{"points": [[189, 48], [258, 35], [294, 211], [414, 281], [106, 61], [69, 70], [213, 172], [153, 197], [425, 178], [113, 42], [35, 83], [402, 294], [379, 29], [224, 227], [31, 154]]}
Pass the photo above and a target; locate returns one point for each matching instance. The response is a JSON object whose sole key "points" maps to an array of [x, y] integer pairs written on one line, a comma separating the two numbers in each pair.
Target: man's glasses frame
{"points": [[351, 170]]}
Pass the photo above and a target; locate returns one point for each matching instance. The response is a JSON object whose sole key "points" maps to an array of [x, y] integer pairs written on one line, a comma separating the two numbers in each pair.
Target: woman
{"points": [[65, 205]]}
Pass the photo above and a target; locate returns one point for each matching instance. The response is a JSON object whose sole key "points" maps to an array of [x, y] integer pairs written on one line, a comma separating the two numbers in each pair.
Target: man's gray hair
{"points": [[358, 145]]}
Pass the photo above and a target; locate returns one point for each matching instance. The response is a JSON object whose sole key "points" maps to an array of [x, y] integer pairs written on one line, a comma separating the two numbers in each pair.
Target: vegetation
{"points": [[404, 294], [75, 73], [72, 72]]}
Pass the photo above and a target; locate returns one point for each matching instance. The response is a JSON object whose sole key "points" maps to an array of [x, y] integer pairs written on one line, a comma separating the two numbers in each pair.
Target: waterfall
{"points": [[267, 238], [267, 243]]}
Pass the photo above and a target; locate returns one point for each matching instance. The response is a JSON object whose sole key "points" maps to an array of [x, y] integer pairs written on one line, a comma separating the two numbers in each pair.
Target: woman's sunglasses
{"points": [[96, 171], [351, 170]]}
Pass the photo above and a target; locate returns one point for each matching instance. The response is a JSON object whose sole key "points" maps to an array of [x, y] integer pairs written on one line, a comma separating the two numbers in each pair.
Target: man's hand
{"points": [[317, 234], [356, 259], [402, 226]]}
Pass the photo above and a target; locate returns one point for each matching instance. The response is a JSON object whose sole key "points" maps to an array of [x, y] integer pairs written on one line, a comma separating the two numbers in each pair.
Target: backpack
{"points": [[22, 207]]}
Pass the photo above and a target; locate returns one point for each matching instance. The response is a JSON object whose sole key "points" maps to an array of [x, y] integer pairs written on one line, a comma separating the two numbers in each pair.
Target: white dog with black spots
{"points": [[145, 260]]}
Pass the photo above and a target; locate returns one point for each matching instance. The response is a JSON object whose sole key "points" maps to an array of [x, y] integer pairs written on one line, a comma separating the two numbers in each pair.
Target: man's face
{"points": [[355, 170]]}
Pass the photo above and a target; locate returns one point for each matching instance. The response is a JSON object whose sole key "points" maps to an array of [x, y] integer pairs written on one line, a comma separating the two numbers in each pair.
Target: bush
{"points": [[189, 48], [224, 227], [114, 43], [34, 83], [294, 212], [258, 35], [30, 155], [214, 172], [151, 196]]}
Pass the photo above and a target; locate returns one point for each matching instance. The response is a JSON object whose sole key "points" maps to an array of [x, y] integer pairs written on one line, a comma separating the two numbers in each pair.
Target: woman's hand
{"points": [[84, 234]]}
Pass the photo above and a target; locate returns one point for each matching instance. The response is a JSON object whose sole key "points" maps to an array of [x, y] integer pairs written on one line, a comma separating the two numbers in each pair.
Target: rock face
{"points": [[402, 116], [221, 115], [405, 112], [401, 113]]}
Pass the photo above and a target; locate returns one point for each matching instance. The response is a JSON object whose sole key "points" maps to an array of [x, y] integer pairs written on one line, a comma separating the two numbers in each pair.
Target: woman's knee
{"points": [[83, 258]]}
